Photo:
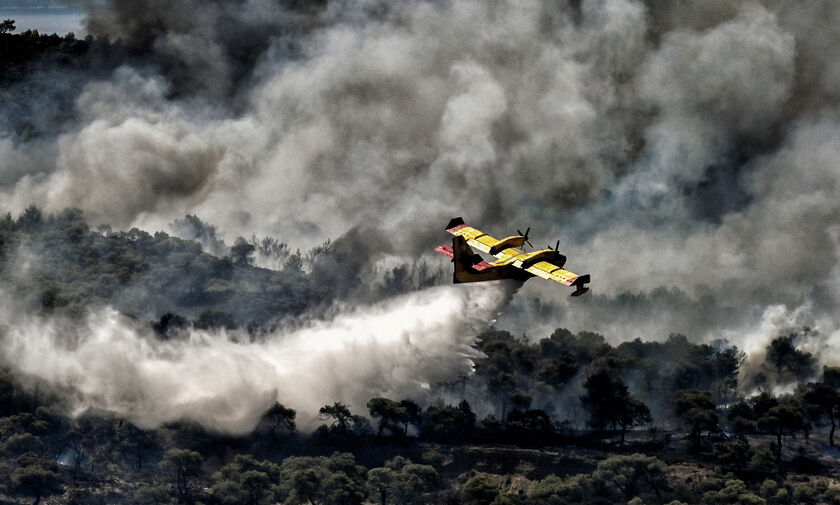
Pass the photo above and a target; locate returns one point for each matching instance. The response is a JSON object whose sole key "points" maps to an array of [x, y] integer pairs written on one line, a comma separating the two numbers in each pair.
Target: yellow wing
{"points": [[475, 238], [511, 256], [552, 272], [484, 242]]}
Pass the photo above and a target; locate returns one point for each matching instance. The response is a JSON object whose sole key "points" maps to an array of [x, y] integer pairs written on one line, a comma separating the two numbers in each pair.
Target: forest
{"points": [[564, 418]]}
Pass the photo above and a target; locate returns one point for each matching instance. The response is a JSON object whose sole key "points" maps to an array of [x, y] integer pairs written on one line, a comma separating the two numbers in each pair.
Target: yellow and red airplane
{"points": [[511, 262]]}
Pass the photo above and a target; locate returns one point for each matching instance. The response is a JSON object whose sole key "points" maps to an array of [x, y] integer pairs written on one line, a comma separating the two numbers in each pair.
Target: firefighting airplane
{"points": [[512, 263]]}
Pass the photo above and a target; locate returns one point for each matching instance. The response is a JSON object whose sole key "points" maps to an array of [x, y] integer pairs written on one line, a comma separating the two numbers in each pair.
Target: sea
{"points": [[47, 20]]}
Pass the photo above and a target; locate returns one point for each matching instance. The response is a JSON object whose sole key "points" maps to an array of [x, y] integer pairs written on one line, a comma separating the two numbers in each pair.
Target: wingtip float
{"points": [[511, 263]]}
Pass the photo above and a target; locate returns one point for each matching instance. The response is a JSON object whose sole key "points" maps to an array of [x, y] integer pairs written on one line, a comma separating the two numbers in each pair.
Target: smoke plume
{"points": [[684, 152]]}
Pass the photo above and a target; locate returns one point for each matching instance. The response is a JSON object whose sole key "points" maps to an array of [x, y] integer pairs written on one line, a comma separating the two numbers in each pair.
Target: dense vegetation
{"points": [[403, 453], [568, 418], [34, 103], [56, 263]]}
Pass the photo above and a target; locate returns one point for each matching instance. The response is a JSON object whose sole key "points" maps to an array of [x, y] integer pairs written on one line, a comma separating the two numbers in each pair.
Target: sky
{"points": [[59, 21]]}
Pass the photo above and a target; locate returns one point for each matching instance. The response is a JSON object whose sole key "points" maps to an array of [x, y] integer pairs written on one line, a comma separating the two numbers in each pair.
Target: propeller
{"points": [[525, 235], [556, 246]]}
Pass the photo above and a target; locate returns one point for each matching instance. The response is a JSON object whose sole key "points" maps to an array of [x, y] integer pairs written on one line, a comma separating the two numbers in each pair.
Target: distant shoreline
{"points": [[58, 19], [50, 8]]}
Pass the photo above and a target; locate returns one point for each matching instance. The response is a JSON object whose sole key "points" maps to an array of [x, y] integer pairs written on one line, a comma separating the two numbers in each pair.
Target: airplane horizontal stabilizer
{"points": [[446, 250]]}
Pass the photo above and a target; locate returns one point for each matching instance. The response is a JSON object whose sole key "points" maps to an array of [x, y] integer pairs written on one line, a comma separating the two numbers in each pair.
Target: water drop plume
{"points": [[225, 381]]}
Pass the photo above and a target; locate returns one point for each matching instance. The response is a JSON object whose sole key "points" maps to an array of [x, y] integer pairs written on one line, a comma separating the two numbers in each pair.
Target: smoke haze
{"points": [[683, 152]]}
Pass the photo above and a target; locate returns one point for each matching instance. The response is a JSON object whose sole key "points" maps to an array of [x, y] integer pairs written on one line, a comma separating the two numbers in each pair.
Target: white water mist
{"points": [[225, 382]]}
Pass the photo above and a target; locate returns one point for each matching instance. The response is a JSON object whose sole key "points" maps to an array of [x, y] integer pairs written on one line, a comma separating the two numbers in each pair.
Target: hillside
{"points": [[58, 264]]}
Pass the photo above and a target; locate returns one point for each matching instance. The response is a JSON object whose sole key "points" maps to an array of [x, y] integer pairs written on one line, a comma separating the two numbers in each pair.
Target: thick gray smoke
{"points": [[684, 152], [226, 381]]}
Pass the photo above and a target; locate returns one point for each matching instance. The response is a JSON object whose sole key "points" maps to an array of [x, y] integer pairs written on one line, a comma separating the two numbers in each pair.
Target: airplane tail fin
{"points": [[454, 223], [462, 255], [580, 283], [467, 262]]}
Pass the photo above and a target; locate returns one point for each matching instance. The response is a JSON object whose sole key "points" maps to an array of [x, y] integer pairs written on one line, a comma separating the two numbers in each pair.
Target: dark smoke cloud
{"points": [[682, 147], [205, 47]]}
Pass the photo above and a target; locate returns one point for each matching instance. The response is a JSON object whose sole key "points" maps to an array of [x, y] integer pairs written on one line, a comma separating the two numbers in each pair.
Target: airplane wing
{"points": [[552, 272], [544, 269], [475, 238], [509, 256]]}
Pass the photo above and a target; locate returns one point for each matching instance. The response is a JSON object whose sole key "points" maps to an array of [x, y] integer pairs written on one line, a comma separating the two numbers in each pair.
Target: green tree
{"points": [[696, 409], [609, 404], [78, 453], [390, 414], [741, 418], [339, 413], [380, 483], [361, 425], [764, 460], [782, 420], [734, 454], [242, 252], [831, 377], [31, 219], [9, 390], [443, 422], [631, 412], [342, 489], [246, 481], [301, 479], [135, 442], [7, 26], [556, 371], [334, 480], [761, 404], [182, 464], [480, 490], [22, 443], [803, 495], [281, 417], [602, 393], [345, 484], [414, 414], [822, 401], [733, 492], [151, 495], [554, 490], [727, 363], [502, 385], [530, 425], [787, 360], [36, 477], [625, 477], [413, 483]]}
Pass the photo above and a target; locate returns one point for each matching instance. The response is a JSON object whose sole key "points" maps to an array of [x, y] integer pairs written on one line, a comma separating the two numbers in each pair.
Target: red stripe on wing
{"points": [[456, 228]]}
